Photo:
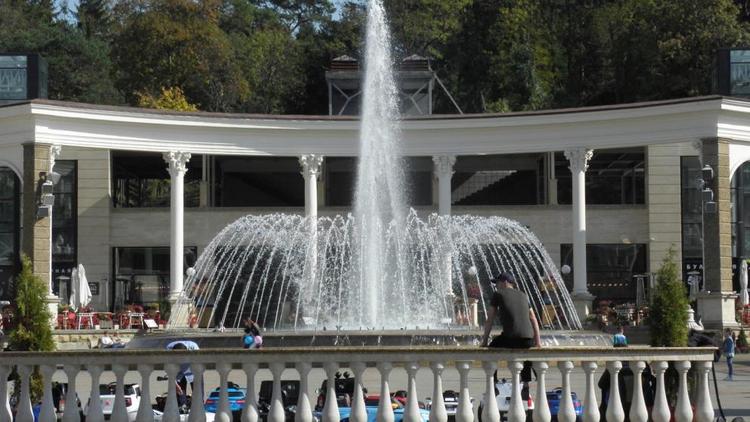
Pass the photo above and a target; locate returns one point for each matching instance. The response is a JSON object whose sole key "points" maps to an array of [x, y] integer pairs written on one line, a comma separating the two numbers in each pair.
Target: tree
{"points": [[170, 43], [169, 99], [32, 332], [79, 68], [668, 308], [94, 18]]}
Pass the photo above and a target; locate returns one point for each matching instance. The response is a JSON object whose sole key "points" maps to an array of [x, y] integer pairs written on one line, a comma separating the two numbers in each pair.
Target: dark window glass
{"points": [[341, 180], [613, 177], [258, 182], [13, 77], [692, 216], [740, 200], [65, 226], [610, 269], [340, 175], [10, 204], [498, 180], [141, 275], [142, 180], [739, 65]]}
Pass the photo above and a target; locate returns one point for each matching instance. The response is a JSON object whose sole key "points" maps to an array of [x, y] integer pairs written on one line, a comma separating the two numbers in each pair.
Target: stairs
{"points": [[478, 181]]}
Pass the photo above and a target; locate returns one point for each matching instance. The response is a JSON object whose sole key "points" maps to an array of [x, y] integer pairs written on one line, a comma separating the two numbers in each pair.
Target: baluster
{"points": [[276, 410], [660, 411], [437, 412], [638, 410], [615, 413], [385, 410], [24, 412], [119, 410], [567, 412], [72, 412], [47, 412], [5, 415], [683, 412], [411, 413], [465, 411], [223, 413], [145, 411], [359, 412], [197, 411], [490, 412], [171, 408], [516, 412], [304, 411], [590, 406], [331, 407], [704, 410], [94, 412], [250, 411], [541, 410]]}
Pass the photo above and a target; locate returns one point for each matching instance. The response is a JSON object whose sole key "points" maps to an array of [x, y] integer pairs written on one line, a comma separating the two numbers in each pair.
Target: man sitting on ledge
{"points": [[520, 328]]}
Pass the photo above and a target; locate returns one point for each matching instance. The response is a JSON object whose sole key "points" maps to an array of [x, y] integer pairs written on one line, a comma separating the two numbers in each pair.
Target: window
{"points": [[10, 201], [610, 269], [692, 217], [142, 275], [258, 182], [142, 180], [498, 180], [613, 177], [341, 180], [65, 226], [13, 77], [739, 65]]}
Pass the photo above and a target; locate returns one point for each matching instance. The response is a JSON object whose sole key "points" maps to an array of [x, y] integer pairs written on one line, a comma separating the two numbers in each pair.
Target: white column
{"points": [[579, 163], [47, 412], [311, 166], [145, 414], [682, 411], [385, 410], [119, 412], [177, 162], [704, 411], [411, 413], [465, 411], [331, 407], [359, 410], [223, 412], [52, 300], [437, 412], [250, 411], [5, 415], [444, 173], [590, 407], [638, 409], [566, 412], [541, 411], [490, 412], [660, 411], [615, 412], [304, 411]]}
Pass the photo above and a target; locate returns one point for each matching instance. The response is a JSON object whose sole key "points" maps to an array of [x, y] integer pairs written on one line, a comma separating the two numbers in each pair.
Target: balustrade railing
{"points": [[302, 360]]}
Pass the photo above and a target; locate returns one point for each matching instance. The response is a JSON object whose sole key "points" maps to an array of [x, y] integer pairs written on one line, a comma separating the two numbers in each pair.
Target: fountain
{"points": [[380, 273]]}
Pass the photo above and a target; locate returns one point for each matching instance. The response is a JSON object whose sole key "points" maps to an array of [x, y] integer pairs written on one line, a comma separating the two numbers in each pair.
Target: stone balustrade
{"points": [[463, 359]]}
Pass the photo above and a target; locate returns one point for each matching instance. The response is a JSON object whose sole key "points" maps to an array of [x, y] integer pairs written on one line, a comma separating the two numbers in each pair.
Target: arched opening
{"points": [[10, 230], [740, 209]]}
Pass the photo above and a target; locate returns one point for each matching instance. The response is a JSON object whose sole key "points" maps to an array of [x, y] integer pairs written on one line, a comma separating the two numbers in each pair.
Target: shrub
{"points": [[33, 331], [668, 308], [742, 341]]}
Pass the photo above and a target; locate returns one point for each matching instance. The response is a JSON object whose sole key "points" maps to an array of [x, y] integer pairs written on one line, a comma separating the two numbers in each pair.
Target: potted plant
{"points": [[742, 345]]}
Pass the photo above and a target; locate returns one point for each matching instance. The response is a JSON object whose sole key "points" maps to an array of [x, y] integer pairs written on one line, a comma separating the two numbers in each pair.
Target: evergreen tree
{"points": [[669, 304], [32, 332]]}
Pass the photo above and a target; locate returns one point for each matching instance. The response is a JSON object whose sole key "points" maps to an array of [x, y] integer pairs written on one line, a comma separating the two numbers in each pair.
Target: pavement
{"points": [[734, 395]]}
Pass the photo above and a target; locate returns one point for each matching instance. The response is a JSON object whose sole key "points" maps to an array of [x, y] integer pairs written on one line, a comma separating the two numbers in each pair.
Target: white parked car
{"points": [[107, 399], [503, 391]]}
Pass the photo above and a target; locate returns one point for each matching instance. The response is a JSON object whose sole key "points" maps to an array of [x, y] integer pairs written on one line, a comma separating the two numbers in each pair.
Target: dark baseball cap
{"points": [[504, 277]]}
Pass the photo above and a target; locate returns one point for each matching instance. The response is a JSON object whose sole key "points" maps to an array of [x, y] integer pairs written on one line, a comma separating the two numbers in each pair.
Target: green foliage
{"points": [[668, 308], [169, 99], [270, 56], [742, 341], [32, 332]]}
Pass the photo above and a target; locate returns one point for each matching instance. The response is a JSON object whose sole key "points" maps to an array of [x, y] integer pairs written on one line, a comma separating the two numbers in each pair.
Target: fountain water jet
{"points": [[381, 268]]}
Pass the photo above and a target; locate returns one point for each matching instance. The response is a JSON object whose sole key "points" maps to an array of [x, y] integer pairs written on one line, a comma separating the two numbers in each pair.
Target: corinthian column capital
{"points": [[311, 164], [444, 164], [579, 158], [177, 161]]}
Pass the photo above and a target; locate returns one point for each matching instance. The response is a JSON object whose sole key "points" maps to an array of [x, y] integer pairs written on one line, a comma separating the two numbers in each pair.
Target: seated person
{"points": [[105, 341]]}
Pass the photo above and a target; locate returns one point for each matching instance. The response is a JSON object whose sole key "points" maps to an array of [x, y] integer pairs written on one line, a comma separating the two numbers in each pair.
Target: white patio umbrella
{"points": [[80, 294], [743, 284]]}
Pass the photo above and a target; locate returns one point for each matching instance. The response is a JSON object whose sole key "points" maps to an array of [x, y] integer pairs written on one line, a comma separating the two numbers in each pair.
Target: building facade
{"points": [[608, 190]]}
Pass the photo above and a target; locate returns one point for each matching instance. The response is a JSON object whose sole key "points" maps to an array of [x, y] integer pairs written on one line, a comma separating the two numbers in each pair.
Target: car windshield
{"points": [[236, 394]]}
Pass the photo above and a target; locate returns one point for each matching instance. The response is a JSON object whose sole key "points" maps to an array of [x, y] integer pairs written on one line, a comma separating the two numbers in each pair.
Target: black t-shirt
{"points": [[513, 310]]}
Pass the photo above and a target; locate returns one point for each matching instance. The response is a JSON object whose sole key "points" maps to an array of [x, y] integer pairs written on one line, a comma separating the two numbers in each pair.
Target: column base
{"points": [[52, 302], [583, 302], [717, 310]]}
